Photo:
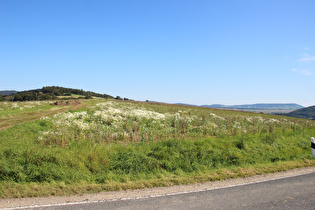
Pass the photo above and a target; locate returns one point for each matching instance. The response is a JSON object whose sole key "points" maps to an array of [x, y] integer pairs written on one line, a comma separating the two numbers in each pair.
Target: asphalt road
{"points": [[296, 192]]}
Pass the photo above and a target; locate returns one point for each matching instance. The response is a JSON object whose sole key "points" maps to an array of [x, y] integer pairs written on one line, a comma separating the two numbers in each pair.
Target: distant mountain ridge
{"points": [[259, 106], [7, 92], [267, 108]]}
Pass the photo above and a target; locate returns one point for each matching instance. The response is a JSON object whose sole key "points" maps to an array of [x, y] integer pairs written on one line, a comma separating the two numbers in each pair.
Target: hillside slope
{"points": [[48, 150], [51, 92], [307, 113]]}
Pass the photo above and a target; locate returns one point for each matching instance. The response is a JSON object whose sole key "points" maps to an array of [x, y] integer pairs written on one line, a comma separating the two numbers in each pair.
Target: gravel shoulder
{"points": [[150, 192]]}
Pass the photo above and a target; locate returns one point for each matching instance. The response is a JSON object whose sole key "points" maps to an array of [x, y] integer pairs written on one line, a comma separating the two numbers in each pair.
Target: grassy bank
{"points": [[126, 145]]}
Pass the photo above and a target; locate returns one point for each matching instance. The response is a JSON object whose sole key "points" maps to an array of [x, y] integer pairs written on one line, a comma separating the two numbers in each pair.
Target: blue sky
{"points": [[196, 51]]}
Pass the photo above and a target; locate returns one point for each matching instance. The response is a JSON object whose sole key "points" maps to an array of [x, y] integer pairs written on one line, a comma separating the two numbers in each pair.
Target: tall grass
{"points": [[131, 122], [123, 142]]}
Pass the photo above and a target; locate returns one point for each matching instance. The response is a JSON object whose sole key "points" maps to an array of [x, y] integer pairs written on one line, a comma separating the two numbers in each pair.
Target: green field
{"points": [[103, 145], [71, 96]]}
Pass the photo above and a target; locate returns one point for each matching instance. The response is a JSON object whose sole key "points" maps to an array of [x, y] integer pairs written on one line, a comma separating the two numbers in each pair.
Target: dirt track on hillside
{"points": [[7, 123]]}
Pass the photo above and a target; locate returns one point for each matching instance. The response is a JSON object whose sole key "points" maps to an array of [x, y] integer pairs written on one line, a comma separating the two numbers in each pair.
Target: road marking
{"points": [[152, 196]]}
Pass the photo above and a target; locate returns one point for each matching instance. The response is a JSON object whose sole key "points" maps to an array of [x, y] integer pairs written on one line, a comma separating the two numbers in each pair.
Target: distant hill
{"points": [[7, 92], [51, 92], [307, 113], [271, 108], [260, 106], [186, 104]]}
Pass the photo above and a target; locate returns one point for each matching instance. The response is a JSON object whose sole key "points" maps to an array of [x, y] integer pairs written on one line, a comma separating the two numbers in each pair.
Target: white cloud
{"points": [[305, 66], [307, 58], [303, 72]]}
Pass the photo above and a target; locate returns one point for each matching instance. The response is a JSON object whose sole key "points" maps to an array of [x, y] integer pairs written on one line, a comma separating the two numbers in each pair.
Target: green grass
{"points": [[129, 145], [72, 96], [11, 110]]}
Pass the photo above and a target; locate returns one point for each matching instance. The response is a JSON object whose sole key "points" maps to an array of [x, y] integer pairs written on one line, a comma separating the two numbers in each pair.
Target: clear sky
{"points": [[185, 51]]}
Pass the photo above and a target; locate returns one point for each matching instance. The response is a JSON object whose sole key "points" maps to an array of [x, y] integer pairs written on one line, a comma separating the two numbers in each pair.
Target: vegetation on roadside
{"points": [[112, 145]]}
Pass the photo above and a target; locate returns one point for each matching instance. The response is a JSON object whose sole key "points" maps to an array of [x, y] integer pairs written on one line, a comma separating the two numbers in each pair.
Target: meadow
{"points": [[105, 145]]}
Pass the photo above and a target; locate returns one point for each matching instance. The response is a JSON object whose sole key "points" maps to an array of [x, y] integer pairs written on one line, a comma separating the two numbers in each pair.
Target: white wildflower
{"points": [[216, 116], [273, 121], [14, 105]]}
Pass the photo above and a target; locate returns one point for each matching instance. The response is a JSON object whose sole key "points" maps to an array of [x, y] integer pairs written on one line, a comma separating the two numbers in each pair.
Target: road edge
{"points": [[24, 203]]}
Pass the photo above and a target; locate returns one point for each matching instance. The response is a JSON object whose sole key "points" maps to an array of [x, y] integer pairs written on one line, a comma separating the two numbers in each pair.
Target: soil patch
{"points": [[66, 103]]}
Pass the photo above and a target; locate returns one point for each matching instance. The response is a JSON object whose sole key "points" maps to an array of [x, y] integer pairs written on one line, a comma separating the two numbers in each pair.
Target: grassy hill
{"points": [[307, 113], [52, 92], [101, 145]]}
